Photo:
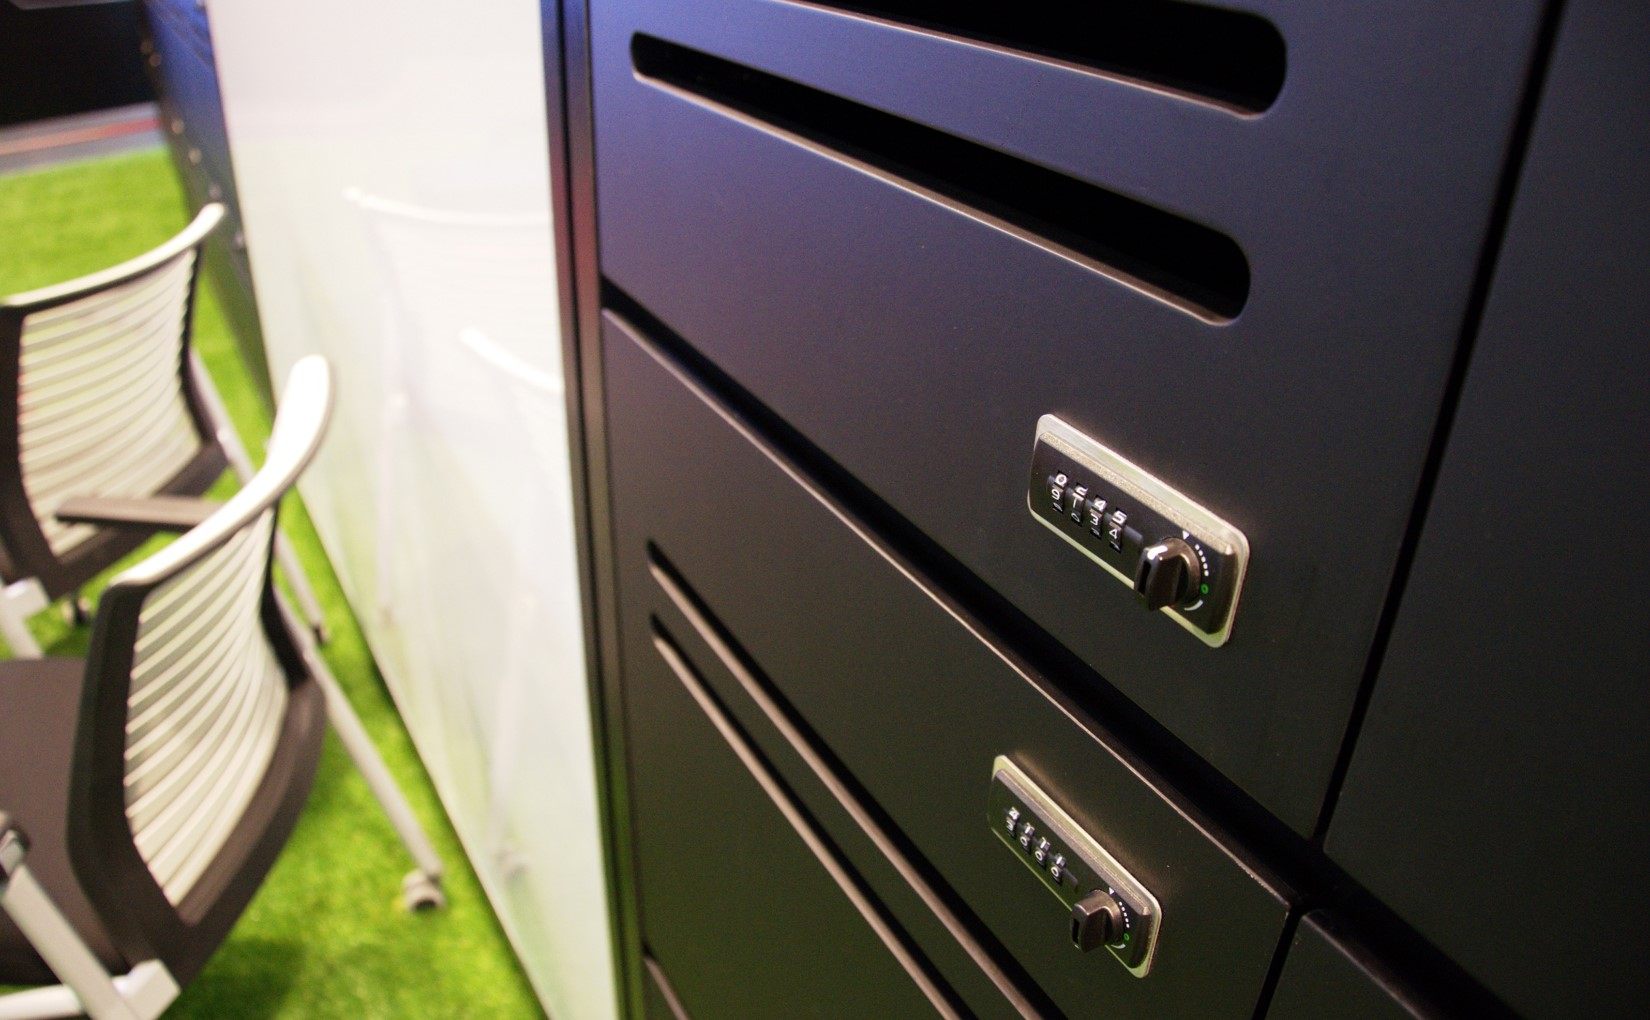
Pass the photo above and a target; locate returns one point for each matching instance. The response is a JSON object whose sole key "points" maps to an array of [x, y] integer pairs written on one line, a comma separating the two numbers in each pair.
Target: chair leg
{"points": [[240, 462], [77, 610], [92, 990], [308, 604], [421, 889], [20, 600], [51, 935], [148, 990], [392, 420]]}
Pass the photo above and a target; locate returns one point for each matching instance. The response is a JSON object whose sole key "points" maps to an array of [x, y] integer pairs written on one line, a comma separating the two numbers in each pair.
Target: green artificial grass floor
{"points": [[326, 936]]}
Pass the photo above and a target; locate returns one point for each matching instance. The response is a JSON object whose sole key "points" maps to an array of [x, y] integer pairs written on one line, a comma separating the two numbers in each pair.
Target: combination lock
{"points": [[1178, 556], [1106, 905]]}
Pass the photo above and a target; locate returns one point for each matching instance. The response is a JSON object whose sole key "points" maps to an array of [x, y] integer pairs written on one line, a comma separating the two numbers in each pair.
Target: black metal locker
{"points": [[738, 910], [1322, 976], [1499, 794], [717, 535], [845, 259], [180, 61], [910, 244]]}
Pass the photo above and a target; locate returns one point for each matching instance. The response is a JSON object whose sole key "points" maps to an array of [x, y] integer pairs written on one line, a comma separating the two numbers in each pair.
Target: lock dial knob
{"points": [[1168, 574], [1097, 920]]}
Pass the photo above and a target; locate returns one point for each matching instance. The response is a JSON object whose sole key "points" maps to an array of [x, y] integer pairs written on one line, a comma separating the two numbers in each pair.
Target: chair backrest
{"points": [[96, 400], [200, 724]]}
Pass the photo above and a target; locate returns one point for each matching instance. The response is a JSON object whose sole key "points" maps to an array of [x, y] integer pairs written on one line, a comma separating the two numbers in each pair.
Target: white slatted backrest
{"points": [[101, 410], [206, 707]]}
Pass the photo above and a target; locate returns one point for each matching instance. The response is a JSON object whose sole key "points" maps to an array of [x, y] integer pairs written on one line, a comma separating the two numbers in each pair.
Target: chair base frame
{"points": [[19, 601], [87, 989]]}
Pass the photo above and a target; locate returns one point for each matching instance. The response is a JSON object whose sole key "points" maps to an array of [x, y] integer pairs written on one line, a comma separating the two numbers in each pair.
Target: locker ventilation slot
{"points": [[1229, 58], [1186, 264], [885, 927], [970, 935]]}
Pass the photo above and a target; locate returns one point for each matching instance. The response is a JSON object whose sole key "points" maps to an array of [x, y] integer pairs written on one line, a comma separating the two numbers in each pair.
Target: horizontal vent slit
{"points": [[953, 914], [1181, 262], [1229, 58]]}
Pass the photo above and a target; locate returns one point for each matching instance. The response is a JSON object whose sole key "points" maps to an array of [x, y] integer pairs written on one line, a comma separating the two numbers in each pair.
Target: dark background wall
{"points": [[56, 61]]}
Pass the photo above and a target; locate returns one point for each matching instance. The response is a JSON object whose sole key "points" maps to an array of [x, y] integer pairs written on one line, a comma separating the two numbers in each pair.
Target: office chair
{"points": [[101, 395], [148, 789]]}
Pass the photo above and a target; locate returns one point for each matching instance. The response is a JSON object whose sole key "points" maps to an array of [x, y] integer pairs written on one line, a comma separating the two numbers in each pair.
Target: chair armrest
{"points": [[165, 513]]}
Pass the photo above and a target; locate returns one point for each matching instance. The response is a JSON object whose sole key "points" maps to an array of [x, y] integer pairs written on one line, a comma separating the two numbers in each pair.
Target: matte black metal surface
{"points": [[913, 706], [1499, 793], [917, 341], [1321, 977], [957, 955], [734, 907]]}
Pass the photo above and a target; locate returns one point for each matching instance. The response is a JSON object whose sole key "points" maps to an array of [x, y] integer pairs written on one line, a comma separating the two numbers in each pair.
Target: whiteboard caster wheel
{"points": [[420, 892]]}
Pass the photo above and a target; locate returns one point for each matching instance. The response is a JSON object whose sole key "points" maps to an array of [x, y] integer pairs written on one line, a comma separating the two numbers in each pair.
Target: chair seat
{"points": [[39, 710]]}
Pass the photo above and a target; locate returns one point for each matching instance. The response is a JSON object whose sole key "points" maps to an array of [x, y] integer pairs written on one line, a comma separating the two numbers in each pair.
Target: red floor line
{"points": [[78, 136]]}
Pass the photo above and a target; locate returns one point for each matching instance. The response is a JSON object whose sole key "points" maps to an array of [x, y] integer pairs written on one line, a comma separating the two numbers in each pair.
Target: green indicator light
{"points": [[1127, 936], [1203, 589]]}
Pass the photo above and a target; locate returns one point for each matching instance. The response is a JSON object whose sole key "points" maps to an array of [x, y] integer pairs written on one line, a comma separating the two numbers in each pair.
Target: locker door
{"points": [[1322, 977], [909, 236], [744, 909], [816, 642], [1499, 794]]}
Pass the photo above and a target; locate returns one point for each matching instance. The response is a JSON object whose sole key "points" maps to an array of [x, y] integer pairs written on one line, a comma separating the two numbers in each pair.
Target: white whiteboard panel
{"points": [[392, 164]]}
